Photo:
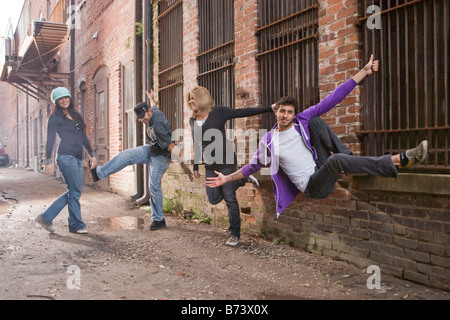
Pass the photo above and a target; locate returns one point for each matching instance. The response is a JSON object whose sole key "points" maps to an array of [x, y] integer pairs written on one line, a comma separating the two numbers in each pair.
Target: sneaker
{"points": [[81, 231], [158, 225], [253, 181], [416, 156], [45, 224], [233, 241], [94, 173]]}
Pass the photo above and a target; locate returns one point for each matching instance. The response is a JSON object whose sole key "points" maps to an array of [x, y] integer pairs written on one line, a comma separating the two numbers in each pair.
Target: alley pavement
{"points": [[121, 259]]}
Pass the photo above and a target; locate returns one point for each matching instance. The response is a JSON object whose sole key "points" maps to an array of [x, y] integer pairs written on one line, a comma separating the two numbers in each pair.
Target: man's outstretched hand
{"points": [[218, 181]]}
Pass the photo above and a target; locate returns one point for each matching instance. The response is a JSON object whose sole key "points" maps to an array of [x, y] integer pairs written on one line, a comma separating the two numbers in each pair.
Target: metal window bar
{"points": [[288, 53], [216, 58], [171, 61], [408, 100]]}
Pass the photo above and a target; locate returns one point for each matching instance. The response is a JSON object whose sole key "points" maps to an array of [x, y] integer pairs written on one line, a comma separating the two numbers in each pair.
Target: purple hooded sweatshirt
{"points": [[284, 190]]}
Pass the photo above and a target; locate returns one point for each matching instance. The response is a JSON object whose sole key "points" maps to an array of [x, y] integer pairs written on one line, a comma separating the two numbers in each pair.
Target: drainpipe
{"points": [[17, 157], [143, 195], [27, 133], [72, 48]]}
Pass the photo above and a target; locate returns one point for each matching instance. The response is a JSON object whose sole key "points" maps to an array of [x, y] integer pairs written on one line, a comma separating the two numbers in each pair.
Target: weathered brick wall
{"points": [[114, 23], [8, 119], [406, 234], [339, 59]]}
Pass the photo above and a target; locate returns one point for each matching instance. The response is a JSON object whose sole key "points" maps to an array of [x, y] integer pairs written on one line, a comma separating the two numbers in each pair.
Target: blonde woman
{"points": [[211, 147]]}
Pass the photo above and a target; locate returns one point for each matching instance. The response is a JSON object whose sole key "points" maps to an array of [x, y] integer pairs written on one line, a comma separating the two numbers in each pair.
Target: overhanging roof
{"points": [[30, 71], [48, 37]]}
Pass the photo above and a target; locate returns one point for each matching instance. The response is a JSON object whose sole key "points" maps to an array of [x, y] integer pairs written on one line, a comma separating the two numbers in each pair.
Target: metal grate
{"points": [[171, 61], [288, 37], [408, 100], [216, 58]]}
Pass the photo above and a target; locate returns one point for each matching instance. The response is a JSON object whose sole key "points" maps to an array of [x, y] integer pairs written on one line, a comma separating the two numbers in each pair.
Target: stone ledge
{"points": [[432, 184]]}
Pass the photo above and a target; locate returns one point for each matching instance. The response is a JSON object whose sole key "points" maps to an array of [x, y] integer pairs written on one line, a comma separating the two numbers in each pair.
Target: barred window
{"points": [[407, 101], [216, 58], [288, 53], [171, 61]]}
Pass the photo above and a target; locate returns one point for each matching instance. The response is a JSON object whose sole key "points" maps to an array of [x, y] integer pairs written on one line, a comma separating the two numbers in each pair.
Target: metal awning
{"points": [[29, 71]]}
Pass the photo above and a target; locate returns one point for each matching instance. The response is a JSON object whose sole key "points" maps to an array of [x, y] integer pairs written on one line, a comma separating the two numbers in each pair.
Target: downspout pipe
{"points": [[147, 67], [72, 25]]}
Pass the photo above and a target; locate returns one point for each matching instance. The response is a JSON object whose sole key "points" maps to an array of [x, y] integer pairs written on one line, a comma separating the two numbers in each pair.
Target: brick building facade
{"points": [[299, 48]]}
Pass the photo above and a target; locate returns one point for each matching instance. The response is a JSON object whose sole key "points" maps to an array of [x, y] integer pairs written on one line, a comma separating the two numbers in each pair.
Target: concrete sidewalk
{"points": [[121, 259]]}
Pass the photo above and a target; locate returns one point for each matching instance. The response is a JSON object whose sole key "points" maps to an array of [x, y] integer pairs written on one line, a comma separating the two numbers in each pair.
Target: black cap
{"points": [[141, 109]]}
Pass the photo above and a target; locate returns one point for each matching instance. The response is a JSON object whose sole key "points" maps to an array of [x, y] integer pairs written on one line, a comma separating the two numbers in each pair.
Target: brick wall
{"points": [[114, 24], [8, 119], [339, 59], [29, 109]]}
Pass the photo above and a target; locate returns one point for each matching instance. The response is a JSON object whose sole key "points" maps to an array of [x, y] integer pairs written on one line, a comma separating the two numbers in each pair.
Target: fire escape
{"points": [[27, 57]]}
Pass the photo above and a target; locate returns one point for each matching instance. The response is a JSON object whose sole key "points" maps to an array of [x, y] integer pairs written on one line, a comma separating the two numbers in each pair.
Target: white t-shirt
{"points": [[294, 157]]}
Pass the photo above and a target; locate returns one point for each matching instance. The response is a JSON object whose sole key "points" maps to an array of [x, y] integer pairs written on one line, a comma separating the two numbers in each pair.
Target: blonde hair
{"points": [[203, 99]]}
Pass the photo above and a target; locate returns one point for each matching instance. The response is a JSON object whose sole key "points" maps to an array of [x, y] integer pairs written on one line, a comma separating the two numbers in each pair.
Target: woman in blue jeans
{"points": [[70, 127]]}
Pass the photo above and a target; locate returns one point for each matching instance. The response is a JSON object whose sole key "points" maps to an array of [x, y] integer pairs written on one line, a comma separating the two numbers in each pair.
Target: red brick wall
{"points": [[339, 59], [114, 22]]}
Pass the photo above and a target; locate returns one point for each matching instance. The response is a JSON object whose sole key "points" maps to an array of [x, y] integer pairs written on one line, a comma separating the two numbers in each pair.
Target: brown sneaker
{"points": [[416, 156]]}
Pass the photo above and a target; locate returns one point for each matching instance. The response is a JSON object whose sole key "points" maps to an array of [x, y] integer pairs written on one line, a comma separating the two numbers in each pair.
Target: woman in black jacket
{"points": [[70, 127], [207, 122]]}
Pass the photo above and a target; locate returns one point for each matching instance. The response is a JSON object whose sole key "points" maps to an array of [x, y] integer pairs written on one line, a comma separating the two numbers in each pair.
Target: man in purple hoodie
{"points": [[305, 156]]}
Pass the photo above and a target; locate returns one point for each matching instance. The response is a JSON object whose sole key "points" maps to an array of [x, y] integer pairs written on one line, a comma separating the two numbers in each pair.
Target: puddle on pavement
{"points": [[6, 205], [127, 223]]}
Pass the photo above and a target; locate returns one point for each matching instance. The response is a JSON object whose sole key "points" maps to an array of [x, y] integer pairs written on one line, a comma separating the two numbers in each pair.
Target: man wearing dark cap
{"points": [[157, 154]]}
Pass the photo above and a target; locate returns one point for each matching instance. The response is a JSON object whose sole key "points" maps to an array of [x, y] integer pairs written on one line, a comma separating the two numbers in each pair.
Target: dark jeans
{"points": [[334, 158], [226, 192]]}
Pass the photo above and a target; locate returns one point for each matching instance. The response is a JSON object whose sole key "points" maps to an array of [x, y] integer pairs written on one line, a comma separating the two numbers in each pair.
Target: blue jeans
{"points": [[72, 171], [157, 166], [226, 192]]}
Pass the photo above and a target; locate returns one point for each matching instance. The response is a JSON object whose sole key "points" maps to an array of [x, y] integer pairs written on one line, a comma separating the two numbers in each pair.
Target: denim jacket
{"points": [[284, 190]]}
